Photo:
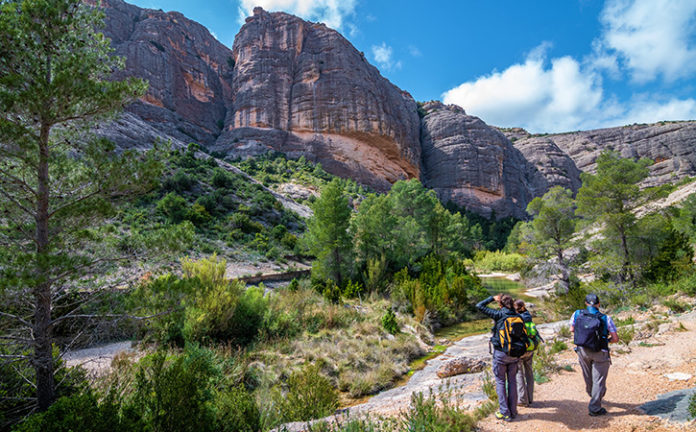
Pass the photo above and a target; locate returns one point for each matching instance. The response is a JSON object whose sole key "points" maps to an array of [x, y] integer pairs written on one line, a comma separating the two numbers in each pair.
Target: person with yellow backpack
{"points": [[509, 341], [525, 370]]}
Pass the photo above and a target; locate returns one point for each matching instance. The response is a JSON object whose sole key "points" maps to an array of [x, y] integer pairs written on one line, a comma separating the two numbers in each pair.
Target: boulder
{"points": [[461, 365]]}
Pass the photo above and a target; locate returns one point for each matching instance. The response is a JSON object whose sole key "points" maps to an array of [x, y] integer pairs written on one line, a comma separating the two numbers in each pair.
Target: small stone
{"points": [[678, 376]]}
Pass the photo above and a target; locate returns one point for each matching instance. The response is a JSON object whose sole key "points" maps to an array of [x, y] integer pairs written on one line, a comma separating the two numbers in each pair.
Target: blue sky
{"points": [[547, 66]]}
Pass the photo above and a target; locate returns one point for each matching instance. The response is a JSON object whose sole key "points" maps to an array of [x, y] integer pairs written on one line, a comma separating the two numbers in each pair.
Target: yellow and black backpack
{"points": [[511, 332]]}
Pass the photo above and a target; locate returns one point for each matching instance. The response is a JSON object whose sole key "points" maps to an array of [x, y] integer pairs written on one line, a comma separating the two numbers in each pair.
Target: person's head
{"points": [[592, 300], [506, 301], [519, 306]]}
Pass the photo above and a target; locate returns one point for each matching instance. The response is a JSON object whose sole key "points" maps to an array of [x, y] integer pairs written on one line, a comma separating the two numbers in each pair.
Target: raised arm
{"points": [[482, 306]]}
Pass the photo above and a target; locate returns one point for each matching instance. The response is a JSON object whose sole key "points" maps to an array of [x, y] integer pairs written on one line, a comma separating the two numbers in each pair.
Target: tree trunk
{"points": [[625, 268], [565, 275], [43, 352]]}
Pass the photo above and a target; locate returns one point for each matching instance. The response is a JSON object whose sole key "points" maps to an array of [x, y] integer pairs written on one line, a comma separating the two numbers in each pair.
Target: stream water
{"points": [[494, 285]]}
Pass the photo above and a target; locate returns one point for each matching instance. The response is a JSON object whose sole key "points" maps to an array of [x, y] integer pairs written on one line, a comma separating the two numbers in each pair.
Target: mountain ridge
{"points": [[300, 88]]}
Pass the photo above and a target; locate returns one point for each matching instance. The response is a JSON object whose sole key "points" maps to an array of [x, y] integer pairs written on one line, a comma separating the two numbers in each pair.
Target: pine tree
{"points": [[328, 237], [57, 181], [609, 198], [553, 225]]}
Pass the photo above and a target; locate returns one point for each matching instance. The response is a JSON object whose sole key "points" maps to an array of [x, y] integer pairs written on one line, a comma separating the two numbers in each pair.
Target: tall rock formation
{"points": [[303, 89], [472, 164], [187, 69]]}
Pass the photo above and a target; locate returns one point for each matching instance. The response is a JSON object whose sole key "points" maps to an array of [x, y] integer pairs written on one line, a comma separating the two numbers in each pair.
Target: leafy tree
{"points": [[609, 197], [327, 235], [56, 180], [553, 225]]}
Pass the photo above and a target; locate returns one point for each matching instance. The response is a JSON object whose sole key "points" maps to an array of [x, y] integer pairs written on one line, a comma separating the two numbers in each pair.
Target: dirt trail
{"points": [[634, 379]]}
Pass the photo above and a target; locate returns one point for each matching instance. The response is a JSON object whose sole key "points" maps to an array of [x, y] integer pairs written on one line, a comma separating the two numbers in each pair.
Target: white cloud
{"points": [[651, 37], [383, 56], [414, 51], [330, 12], [532, 96], [561, 96]]}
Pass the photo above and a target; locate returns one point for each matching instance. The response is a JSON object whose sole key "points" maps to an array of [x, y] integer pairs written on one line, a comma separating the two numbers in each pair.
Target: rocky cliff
{"points": [[300, 88], [303, 89], [187, 68], [671, 145], [472, 164]]}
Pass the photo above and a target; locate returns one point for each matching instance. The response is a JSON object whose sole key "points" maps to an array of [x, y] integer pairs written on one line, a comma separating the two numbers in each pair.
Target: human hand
{"points": [[496, 297]]}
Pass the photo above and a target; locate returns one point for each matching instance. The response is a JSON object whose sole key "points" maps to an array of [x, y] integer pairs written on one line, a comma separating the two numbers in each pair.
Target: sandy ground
{"points": [[634, 379]]}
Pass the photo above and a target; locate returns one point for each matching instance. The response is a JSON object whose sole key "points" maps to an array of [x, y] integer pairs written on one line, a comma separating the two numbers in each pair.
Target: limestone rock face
{"points": [[186, 67], [671, 145], [549, 166], [303, 89], [471, 164]]}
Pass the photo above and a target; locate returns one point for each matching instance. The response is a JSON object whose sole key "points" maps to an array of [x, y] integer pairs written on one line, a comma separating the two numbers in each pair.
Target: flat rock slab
{"points": [[672, 406], [678, 376]]}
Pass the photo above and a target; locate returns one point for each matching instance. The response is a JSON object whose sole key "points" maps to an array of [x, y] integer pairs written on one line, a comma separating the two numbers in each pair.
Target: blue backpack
{"points": [[590, 331]]}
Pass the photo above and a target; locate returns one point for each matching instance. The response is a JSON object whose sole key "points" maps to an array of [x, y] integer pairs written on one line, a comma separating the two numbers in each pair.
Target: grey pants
{"points": [[595, 368], [525, 379], [505, 371]]}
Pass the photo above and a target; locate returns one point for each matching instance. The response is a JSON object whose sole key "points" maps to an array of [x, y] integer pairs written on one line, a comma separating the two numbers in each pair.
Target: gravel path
{"points": [[635, 379]]}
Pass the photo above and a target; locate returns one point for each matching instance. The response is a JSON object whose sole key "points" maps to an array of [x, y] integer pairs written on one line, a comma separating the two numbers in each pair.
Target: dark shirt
{"points": [[496, 315], [526, 316]]}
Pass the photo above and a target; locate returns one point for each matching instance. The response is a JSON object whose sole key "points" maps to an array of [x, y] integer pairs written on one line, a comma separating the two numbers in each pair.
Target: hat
{"points": [[592, 299]]}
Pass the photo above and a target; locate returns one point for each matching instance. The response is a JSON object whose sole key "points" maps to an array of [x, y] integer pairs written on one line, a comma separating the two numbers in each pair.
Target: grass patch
{"points": [[624, 322]]}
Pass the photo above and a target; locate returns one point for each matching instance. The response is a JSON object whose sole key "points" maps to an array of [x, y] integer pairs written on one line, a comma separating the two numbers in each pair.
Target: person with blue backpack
{"points": [[509, 342], [592, 333]]}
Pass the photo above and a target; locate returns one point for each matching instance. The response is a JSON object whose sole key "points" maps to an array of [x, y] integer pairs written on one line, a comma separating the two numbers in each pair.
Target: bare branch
{"points": [[16, 318], [114, 316], [17, 203], [75, 201]]}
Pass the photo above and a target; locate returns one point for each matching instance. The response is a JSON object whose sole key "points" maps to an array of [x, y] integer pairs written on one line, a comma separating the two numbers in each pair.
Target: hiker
{"points": [[509, 341], [525, 372], [593, 331]]}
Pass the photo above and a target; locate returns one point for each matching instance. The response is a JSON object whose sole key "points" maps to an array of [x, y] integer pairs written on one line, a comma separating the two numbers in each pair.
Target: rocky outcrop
{"points": [[461, 365], [303, 89], [670, 145], [549, 166], [186, 67], [472, 164]]}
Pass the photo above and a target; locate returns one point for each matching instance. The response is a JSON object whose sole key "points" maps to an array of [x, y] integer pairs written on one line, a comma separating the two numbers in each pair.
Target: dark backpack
{"points": [[512, 335], [589, 331]]}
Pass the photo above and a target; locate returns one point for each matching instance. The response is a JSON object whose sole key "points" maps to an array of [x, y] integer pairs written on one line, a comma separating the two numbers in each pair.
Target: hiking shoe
{"points": [[502, 417], [599, 412]]}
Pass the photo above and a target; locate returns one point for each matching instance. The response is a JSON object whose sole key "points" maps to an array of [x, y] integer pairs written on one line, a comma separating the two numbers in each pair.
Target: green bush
{"points": [[172, 392], [692, 406], [488, 261], [82, 412], [436, 416], [389, 322], [173, 207], [309, 395], [237, 411]]}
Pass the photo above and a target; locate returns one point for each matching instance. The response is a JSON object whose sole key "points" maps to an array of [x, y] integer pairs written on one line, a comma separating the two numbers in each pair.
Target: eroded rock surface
{"points": [[303, 89], [670, 145], [186, 67], [472, 164]]}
